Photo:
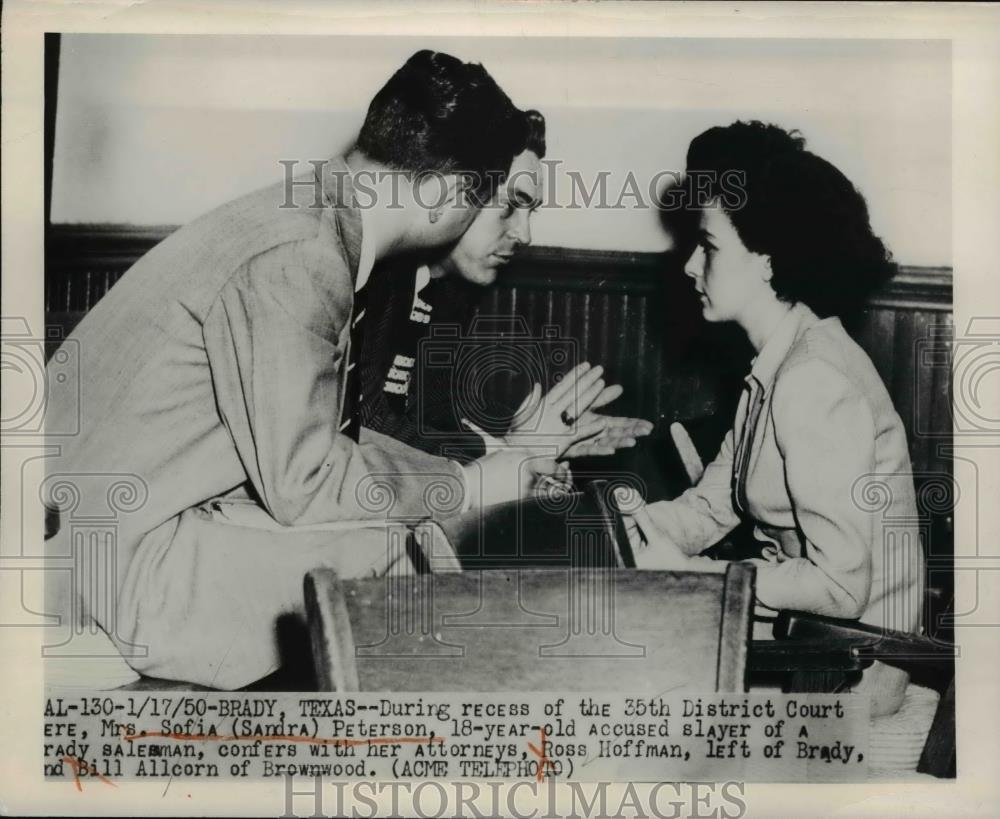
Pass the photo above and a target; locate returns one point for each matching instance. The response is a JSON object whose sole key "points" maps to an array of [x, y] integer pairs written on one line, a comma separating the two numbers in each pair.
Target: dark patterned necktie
{"points": [[350, 415]]}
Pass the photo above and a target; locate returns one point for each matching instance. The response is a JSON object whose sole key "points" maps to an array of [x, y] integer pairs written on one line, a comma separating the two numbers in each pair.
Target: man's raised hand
{"points": [[554, 422]]}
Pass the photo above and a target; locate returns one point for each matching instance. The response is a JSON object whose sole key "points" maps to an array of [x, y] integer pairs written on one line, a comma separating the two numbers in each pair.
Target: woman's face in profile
{"points": [[728, 277]]}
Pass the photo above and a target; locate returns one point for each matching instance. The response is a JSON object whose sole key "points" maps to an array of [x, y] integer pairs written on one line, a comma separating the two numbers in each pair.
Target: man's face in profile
{"points": [[502, 226]]}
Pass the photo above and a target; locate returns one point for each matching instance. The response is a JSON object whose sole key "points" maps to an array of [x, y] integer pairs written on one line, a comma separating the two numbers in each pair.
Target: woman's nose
{"points": [[695, 263]]}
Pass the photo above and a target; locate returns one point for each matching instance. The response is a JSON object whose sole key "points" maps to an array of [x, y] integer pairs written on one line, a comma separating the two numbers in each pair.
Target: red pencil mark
{"points": [[280, 738], [544, 760], [77, 765]]}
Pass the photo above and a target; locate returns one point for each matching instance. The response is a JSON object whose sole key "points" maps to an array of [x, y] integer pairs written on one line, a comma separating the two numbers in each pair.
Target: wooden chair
{"points": [[558, 629]]}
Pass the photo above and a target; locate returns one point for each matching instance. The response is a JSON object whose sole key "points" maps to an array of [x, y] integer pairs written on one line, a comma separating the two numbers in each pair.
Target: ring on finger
{"points": [[566, 418]]}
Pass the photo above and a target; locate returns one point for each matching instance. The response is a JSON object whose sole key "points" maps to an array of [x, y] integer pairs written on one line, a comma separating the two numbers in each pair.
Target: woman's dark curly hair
{"points": [[795, 207]]}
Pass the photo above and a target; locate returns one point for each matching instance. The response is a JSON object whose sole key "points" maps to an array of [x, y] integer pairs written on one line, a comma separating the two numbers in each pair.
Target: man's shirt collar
{"points": [[367, 259], [352, 222]]}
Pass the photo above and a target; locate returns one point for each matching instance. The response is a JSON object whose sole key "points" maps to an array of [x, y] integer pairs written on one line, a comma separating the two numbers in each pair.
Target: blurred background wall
{"points": [[154, 130]]}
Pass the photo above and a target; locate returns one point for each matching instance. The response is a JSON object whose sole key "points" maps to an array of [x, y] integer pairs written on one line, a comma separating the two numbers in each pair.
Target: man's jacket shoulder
{"points": [[193, 264]]}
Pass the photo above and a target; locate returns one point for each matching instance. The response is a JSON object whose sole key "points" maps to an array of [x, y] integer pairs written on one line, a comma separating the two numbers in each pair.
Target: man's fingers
{"points": [[628, 426], [491, 442], [567, 383], [543, 466], [608, 395], [531, 401], [638, 427], [602, 445], [588, 449], [618, 441], [584, 441], [524, 404], [589, 430], [587, 397], [578, 405], [569, 399], [528, 408]]}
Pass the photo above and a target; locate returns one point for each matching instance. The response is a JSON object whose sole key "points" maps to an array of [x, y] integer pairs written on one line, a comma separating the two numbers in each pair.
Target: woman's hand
{"points": [[619, 433], [651, 547]]}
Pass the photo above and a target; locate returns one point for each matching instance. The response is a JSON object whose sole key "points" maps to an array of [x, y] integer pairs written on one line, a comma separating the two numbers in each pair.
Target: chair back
{"points": [[557, 629]]}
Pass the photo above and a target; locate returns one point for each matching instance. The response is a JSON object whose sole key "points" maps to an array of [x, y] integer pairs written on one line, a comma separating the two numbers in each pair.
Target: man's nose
{"points": [[520, 228]]}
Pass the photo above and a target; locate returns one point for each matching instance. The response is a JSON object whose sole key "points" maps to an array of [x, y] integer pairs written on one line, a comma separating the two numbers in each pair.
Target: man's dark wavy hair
{"points": [[439, 114], [798, 209]]}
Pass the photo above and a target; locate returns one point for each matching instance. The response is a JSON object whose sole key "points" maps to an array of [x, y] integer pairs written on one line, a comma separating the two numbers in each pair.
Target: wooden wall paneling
{"points": [[632, 312], [883, 350], [638, 354], [939, 397], [902, 377]]}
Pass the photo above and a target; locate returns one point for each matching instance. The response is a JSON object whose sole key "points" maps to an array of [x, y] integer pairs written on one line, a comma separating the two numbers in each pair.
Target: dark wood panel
{"points": [[75, 248]]}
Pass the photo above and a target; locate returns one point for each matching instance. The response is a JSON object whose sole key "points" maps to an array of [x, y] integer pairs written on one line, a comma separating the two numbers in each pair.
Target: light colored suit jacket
{"points": [[818, 460], [216, 362]]}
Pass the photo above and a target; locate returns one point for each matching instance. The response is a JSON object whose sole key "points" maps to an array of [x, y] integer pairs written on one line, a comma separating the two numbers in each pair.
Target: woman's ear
{"points": [[766, 272]]}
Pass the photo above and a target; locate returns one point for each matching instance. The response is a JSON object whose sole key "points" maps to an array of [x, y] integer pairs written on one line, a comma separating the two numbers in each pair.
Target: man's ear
{"points": [[436, 192], [453, 188]]}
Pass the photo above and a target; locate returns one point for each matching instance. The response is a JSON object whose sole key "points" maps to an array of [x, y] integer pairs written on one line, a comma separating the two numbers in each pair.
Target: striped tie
{"points": [[350, 415]]}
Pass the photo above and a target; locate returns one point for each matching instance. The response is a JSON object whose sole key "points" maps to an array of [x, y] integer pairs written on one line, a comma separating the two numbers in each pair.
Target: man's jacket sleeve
{"points": [[276, 339]]}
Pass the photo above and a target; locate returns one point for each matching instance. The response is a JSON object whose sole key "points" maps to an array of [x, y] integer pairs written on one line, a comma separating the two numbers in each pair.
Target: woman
{"points": [[817, 458]]}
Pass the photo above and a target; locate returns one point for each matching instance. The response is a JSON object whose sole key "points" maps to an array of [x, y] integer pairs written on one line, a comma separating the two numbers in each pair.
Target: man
{"points": [[210, 369], [422, 405]]}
